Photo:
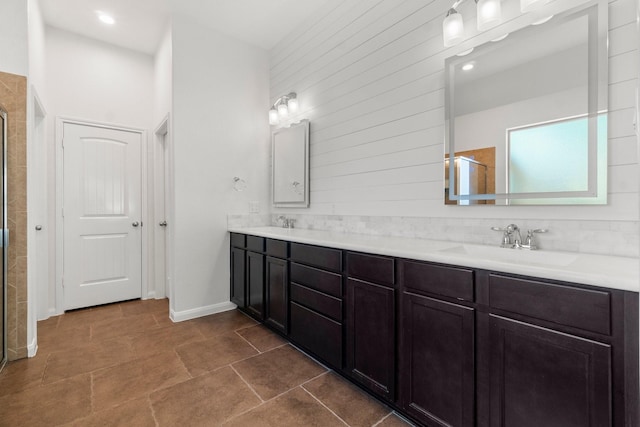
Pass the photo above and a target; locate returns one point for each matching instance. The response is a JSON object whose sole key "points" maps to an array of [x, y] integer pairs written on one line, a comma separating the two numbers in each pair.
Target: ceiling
{"points": [[140, 24]]}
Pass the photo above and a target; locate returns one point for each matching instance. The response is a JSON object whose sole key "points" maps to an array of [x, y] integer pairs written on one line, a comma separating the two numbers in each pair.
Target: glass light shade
{"points": [[529, 5], [283, 110], [489, 14], [293, 105], [273, 116], [452, 28]]}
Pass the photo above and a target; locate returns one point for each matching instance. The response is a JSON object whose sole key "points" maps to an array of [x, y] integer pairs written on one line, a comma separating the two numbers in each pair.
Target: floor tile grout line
{"points": [[247, 383], [152, 409], [382, 419], [182, 362], [247, 341], [325, 406]]}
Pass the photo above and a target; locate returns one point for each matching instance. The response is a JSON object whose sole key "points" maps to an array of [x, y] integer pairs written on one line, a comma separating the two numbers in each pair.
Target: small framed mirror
{"points": [[526, 115], [290, 166]]}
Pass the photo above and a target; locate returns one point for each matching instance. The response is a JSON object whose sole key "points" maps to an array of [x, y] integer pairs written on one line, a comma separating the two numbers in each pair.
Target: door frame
{"points": [[161, 161], [60, 122]]}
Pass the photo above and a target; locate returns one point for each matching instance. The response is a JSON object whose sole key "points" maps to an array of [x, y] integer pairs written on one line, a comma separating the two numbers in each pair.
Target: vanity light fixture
{"points": [[283, 106], [468, 66], [488, 15]]}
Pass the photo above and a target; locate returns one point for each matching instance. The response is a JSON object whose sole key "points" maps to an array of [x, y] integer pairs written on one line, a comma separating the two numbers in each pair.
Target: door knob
{"points": [[38, 227], [163, 224], [135, 224]]}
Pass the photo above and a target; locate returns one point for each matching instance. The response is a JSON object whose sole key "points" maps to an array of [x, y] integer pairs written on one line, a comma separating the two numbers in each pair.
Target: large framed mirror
{"points": [[290, 166], [526, 115]]}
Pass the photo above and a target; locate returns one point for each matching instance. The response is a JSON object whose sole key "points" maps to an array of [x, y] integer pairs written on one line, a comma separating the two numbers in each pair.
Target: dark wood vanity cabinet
{"points": [[371, 322], [277, 285], [556, 354], [316, 302], [238, 270], [448, 345], [437, 344]]}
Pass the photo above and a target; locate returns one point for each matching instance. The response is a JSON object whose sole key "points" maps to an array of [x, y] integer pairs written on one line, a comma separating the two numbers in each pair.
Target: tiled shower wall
{"points": [[13, 98]]}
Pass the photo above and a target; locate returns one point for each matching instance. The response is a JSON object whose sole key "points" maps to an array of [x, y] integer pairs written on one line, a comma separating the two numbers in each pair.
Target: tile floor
{"points": [[127, 364]]}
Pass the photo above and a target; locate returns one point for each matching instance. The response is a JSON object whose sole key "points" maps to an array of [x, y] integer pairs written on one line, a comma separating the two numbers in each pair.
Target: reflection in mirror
{"points": [[530, 111], [290, 173]]}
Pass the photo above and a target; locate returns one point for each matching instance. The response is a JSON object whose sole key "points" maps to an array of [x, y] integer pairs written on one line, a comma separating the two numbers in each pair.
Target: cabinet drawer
{"points": [[277, 248], [255, 243], [323, 304], [320, 280], [450, 282], [329, 259], [238, 240], [317, 333], [372, 268], [585, 309]]}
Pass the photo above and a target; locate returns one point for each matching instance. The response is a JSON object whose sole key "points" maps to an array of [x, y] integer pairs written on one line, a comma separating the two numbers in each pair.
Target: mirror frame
{"points": [[597, 13], [304, 124]]}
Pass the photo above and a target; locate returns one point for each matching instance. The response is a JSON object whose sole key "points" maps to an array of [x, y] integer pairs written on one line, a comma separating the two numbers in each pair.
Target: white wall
{"points": [[162, 89], [369, 76], [91, 80], [13, 37], [220, 130]]}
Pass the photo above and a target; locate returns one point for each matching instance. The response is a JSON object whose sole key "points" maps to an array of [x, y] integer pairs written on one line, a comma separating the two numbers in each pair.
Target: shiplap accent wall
{"points": [[370, 78]]}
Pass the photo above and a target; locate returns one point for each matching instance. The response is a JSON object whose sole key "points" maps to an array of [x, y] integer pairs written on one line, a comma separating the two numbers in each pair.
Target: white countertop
{"points": [[597, 270]]}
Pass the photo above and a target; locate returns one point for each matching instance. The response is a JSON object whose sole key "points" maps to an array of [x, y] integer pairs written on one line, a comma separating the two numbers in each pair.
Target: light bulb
{"points": [[529, 5], [452, 28], [273, 116], [283, 111], [293, 104], [489, 13]]}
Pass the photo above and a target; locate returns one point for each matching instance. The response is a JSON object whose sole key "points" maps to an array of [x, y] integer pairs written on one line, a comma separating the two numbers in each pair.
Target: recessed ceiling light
{"points": [[105, 18], [468, 66]]}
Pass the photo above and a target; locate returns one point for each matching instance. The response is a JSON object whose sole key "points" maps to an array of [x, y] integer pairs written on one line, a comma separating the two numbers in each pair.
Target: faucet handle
{"points": [[506, 236], [530, 240]]}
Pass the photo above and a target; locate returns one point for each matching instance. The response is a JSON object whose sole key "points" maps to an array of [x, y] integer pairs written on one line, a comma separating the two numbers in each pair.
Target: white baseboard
{"points": [[181, 316], [32, 348]]}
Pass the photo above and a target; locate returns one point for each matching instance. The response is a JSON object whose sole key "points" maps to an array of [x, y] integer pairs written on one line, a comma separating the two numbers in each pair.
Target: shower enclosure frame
{"points": [[4, 236]]}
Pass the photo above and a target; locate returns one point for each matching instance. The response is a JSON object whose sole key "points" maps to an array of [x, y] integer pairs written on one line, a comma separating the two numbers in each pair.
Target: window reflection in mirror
{"points": [[533, 98]]}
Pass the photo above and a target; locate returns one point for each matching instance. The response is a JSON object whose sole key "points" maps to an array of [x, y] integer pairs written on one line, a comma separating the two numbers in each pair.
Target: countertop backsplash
{"points": [[616, 238]]}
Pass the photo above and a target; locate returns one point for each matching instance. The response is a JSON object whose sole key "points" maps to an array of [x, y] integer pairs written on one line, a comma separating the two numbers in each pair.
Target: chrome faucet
{"points": [[286, 222], [511, 237]]}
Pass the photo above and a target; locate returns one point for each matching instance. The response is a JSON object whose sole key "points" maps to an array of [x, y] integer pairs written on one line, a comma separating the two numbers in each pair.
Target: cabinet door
{"points": [[277, 294], [238, 277], [437, 351], [371, 336], [540, 377], [255, 284]]}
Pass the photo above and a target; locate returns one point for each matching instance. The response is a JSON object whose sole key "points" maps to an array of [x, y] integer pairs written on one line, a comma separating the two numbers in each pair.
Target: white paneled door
{"points": [[101, 215]]}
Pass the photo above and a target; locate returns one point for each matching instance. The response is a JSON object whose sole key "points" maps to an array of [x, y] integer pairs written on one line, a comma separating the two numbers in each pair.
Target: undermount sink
{"points": [[494, 253]]}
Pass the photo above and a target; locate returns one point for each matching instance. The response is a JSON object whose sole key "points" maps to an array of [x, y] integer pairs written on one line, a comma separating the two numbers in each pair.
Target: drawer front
{"points": [[255, 243], [372, 268], [585, 309], [277, 248], [323, 304], [450, 282], [317, 333], [326, 258], [320, 280], [238, 240]]}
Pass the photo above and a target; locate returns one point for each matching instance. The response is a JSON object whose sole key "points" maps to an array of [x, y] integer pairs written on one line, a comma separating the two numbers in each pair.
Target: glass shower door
{"points": [[3, 236]]}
